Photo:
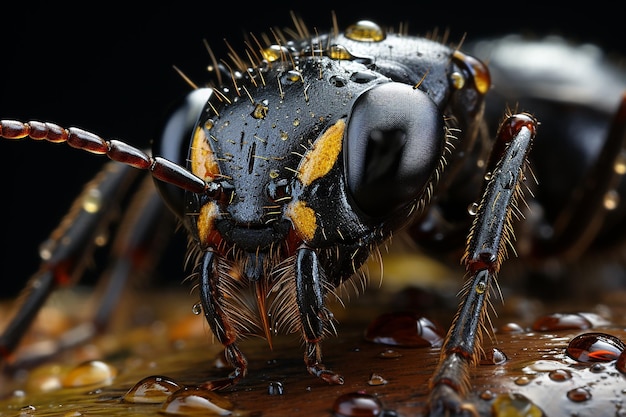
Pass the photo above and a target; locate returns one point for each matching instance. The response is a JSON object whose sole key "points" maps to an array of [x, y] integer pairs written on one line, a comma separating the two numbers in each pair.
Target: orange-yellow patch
{"points": [[303, 219], [323, 155], [205, 221], [203, 162]]}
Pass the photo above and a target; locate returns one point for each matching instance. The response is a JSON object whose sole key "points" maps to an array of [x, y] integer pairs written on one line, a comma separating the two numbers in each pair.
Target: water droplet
{"points": [[365, 31], [284, 135], [597, 368], [275, 388], [560, 375], [90, 373], [458, 80], [190, 401], [363, 77], [594, 347], [376, 379], [558, 321], [151, 390], [274, 53], [472, 209], [522, 380], [515, 405], [404, 329], [357, 404], [389, 354], [511, 328], [339, 52], [296, 122], [493, 356], [293, 76], [578, 395], [196, 309]]}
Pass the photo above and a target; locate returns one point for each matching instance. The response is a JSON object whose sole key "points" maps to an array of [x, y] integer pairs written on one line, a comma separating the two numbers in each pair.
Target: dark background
{"points": [[108, 68]]}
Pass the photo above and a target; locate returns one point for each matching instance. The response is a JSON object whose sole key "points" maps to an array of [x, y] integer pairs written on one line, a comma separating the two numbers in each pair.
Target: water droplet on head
{"points": [[365, 31], [457, 80]]}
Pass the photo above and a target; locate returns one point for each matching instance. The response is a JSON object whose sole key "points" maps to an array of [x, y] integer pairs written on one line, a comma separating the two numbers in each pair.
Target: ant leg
{"points": [[489, 237], [313, 314], [66, 253], [223, 329]]}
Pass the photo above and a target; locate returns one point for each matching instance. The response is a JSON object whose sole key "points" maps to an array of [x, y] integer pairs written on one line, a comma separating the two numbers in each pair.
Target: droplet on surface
{"points": [[151, 390], [511, 328], [191, 401], [560, 375], [275, 388], [515, 405], [561, 321], [404, 329], [90, 373], [389, 354], [376, 379], [365, 31], [578, 395], [522, 380], [595, 347], [493, 356], [357, 404]]}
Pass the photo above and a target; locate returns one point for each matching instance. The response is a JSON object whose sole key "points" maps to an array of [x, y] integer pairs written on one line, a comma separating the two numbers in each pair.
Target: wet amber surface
{"points": [[154, 360]]}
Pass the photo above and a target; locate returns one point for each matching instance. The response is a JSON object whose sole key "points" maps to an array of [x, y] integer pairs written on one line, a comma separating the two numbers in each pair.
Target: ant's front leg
{"points": [[310, 295], [489, 237], [223, 329]]}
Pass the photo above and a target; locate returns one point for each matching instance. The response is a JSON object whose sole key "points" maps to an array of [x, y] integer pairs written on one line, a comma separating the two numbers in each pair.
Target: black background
{"points": [[108, 67]]}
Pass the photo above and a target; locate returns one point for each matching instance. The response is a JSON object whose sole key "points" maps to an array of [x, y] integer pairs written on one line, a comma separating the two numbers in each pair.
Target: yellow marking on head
{"points": [[303, 219], [208, 212], [203, 162], [322, 156]]}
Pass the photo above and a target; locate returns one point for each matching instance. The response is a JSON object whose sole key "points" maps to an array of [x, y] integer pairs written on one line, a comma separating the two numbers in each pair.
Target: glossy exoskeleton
{"points": [[305, 156]]}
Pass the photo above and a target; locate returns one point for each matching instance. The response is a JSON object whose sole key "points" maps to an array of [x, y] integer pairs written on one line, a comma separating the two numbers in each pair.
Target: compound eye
{"points": [[392, 147]]}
